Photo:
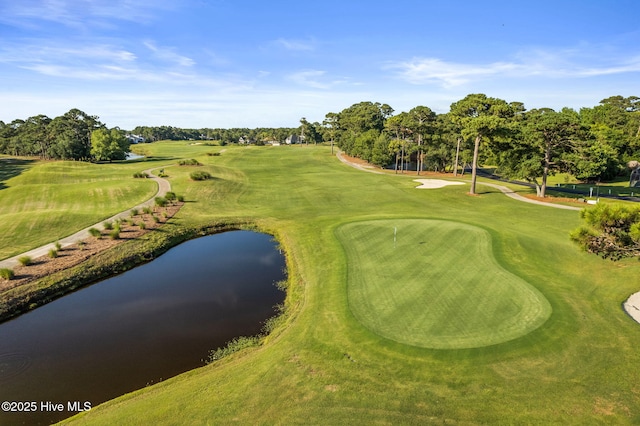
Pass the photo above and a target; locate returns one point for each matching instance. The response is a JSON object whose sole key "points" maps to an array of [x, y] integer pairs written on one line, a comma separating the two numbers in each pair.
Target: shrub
{"points": [[170, 196], [191, 162], [142, 225], [82, 244], [181, 198], [53, 253], [6, 274], [115, 234], [237, 344], [200, 175], [147, 210], [155, 218], [58, 246], [25, 260], [140, 175], [134, 212], [94, 232], [107, 225], [161, 201], [213, 154]]}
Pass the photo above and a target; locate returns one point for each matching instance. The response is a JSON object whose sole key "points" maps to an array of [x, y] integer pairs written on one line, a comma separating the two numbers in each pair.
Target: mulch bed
{"points": [[77, 253], [550, 200]]}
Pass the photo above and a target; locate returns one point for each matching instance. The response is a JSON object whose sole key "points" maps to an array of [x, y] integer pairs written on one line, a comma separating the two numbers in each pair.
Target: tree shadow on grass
{"points": [[12, 167]]}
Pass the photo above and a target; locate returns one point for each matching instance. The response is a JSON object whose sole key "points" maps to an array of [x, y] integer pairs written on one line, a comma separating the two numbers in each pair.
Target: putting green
{"points": [[438, 285]]}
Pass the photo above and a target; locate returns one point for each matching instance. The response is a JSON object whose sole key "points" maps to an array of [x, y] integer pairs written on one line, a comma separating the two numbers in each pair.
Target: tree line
{"points": [[258, 136], [77, 135], [65, 137], [593, 144]]}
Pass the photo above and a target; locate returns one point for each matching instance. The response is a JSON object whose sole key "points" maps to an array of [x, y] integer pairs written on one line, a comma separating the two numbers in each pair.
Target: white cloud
{"points": [[569, 63], [79, 13], [40, 51], [103, 62], [296, 45], [309, 79], [449, 74], [168, 54], [314, 79]]}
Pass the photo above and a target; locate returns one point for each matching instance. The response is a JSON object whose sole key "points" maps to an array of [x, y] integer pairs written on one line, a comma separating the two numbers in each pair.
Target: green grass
{"points": [[48, 200], [436, 284], [323, 366], [591, 189]]}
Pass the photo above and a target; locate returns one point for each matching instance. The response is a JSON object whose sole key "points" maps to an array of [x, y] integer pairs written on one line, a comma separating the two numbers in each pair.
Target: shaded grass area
{"points": [[322, 366], [436, 284], [11, 167]]}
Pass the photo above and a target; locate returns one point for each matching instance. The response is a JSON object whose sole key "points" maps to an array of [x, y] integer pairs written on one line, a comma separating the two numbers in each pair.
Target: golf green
{"points": [[436, 284]]}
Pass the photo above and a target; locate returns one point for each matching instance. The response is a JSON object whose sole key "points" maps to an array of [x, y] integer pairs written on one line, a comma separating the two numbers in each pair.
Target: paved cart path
{"points": [[506, 191], [163, 187]]}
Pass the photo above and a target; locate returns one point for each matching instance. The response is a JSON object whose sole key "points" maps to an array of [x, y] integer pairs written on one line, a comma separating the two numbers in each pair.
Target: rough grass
{"points": [[324, 367], [436, 284]]}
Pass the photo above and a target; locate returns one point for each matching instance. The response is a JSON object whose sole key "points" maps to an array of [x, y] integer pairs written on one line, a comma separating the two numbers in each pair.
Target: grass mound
{"points": [[437, 286]]}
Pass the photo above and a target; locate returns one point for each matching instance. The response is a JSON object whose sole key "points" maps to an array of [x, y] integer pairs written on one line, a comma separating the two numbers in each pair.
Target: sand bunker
{"points": [[435, 183], [632, 306]]}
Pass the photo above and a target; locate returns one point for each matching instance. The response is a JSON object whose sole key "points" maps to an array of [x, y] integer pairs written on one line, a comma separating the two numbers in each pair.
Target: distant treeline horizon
{"points": [[594, 143]]}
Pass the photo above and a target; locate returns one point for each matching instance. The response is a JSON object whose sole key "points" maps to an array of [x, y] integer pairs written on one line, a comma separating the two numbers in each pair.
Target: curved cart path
{"points": [[163, 187], [512, 194], [506, 191]]}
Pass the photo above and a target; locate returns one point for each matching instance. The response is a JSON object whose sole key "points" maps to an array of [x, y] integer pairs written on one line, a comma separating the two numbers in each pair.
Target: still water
{"points": [[138, 328]]}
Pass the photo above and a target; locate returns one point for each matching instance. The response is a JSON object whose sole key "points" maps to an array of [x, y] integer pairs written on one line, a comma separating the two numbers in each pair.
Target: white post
{"points": [[395, 232]]}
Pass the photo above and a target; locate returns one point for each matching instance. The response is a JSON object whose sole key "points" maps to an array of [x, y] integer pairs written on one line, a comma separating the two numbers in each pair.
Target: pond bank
{"points": [[104, 263]]}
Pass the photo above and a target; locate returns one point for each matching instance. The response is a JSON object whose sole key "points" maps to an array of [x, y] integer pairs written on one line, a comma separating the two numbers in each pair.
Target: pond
{"points": [[138, 328], [133, 156]]}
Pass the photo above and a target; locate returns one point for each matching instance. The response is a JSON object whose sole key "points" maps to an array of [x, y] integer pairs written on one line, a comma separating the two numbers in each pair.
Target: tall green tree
{"points": [[330, 123], [421, 120], [616, 123], [545, 141], [357, 120], [398, 129], [381, 154], [594, 161], [309, 131], [481, 118], [71, 135], [363, 116], [109, 145]]}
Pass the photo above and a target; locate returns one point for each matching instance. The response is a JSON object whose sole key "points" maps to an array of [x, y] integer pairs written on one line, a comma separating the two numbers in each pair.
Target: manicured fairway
{"points": [[436, 284]]}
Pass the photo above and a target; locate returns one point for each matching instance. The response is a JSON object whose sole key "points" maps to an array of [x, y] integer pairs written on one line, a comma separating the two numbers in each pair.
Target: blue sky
{"points": [[241, 63]]}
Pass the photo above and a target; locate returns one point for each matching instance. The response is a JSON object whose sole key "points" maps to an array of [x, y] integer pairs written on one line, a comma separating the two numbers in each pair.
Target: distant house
{"points": [[134, 138], [292, 139]]}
